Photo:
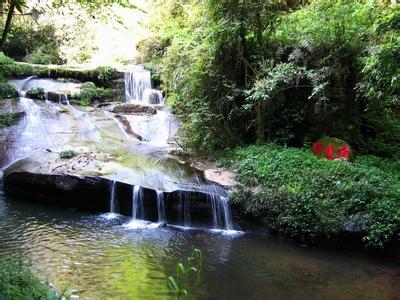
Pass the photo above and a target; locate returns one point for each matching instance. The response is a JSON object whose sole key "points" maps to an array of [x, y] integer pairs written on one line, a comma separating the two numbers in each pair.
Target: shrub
{"points": [[8, 90], [6, 120], [89, 93], [309, 198], [106, 74], [68, 154], [37, 44], [43, 57], [36, 93], [9, 69]]}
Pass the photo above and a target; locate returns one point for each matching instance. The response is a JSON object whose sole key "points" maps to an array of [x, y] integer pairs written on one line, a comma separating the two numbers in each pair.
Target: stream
{"points": [[110, 256], [105, 259]]}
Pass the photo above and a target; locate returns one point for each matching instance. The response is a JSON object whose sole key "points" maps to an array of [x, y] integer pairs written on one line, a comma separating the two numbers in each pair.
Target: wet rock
{"points": [[154, 97], [128, 129], [92, 193], [128, 109], [58, 97]]}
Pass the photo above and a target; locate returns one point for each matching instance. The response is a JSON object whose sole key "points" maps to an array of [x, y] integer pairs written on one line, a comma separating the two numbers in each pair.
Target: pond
{"points": [[103, 259]]}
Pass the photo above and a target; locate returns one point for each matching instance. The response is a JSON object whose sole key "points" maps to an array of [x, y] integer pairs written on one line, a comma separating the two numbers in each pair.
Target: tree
{"points": [[11, 6]]}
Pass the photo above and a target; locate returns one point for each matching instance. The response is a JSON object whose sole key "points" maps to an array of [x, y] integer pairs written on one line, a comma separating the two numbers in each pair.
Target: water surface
{"points": [[103, 259]]}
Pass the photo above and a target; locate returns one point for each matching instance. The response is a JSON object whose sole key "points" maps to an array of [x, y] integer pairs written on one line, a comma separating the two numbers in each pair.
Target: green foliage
{"points": [[251, 71], [7, 90], [68, 154], [317, 198], [380, 87], [9, 69], [106, 74], [89, 93], [36, 93], [36, 44], [6, 120], [179, 284], [17, 282]]}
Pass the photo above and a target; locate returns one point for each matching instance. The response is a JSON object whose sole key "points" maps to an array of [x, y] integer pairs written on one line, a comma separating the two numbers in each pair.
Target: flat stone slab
{"points": [[129, 109]]}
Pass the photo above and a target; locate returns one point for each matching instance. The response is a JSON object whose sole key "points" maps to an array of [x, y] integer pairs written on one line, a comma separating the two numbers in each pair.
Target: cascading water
{"points": [[112, 197], [159, 128], [55, 91], [222, 217], [137, 81], [137, 203], [160, 207]]}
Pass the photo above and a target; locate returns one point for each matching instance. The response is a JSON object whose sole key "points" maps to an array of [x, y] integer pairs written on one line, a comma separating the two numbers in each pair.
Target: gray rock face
{"points": [[129, 109]]}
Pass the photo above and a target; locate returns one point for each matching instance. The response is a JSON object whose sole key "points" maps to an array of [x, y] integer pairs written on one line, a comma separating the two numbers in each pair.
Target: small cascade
{"points": [[160, 207], [221, 211], [137, 85], [112, 197], [137, 203], [55, 91]]}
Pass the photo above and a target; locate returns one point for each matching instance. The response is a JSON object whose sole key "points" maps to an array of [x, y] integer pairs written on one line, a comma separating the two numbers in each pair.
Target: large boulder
{"points": [[130, 109]]}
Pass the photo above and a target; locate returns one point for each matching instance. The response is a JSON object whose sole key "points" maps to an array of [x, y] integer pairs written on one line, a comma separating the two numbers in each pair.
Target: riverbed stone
{"points": [[129, 109]]}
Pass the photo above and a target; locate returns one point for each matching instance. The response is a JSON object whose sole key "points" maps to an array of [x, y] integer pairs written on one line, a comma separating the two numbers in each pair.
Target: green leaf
{"points": [[173, 285]]}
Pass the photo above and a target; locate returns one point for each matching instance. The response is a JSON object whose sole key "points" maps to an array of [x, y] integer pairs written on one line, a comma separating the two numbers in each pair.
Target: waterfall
{"points": [[112, 197], [160, 207], [137, 203], [221, 212], [138, 87]]}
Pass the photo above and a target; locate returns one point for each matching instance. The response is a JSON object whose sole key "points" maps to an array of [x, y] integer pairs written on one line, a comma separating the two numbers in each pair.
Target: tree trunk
{"points": [[7, 27]]}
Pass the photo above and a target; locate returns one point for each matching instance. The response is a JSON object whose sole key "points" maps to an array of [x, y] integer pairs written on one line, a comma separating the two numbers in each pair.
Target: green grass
{"points": [[310, 198]]}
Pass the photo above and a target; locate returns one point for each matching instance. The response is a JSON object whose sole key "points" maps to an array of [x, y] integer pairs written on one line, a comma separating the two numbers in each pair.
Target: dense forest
{"points": [[298, 99]]}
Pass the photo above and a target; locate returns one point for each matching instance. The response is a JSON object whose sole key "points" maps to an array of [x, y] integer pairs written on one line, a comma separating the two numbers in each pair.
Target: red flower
{"points": [[317, 148], [329, 152], [343, 152]]}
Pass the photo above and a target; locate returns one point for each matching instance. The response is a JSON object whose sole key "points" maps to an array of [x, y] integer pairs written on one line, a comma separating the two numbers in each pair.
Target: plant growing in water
{"points": [[68, 154], [185, 273]]}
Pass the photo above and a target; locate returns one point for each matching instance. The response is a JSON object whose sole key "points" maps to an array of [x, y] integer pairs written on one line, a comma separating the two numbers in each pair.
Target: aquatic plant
{"points": [[184, 274], [68, 154]]}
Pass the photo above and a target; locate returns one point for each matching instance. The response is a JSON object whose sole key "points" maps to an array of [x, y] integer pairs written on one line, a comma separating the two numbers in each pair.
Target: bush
{"points": [[37, 44], [68, 154], [6, 120], [309, 198], [9, 69], [89, 93], [43, 56], [36, 93], [8, 90], [17, 282], [106, 74]]}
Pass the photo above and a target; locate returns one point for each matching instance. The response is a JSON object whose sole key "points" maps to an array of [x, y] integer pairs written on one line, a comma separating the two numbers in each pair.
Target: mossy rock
{"points": [[36, 93]]}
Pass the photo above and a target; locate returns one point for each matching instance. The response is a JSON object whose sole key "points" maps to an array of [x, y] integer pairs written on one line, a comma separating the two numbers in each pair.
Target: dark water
{"points": [[102, 259]]}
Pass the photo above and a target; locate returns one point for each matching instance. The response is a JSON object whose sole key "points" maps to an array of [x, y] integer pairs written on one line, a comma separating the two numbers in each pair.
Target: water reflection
{"points": [[103, 259]]}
